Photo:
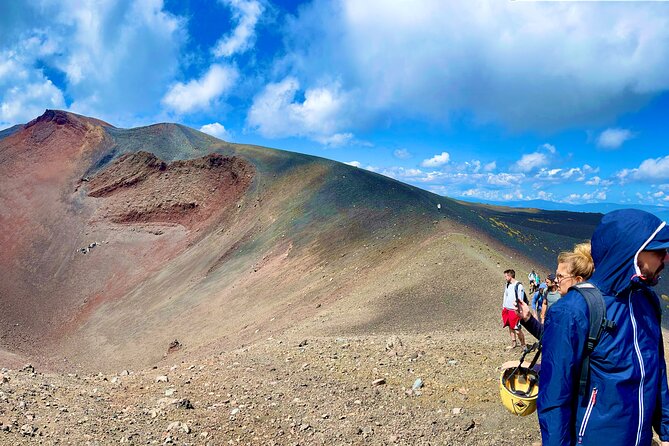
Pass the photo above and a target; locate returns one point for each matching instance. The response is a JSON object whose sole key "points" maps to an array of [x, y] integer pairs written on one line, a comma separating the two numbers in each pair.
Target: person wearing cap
{"points": [[626, 393], [552, 295]]}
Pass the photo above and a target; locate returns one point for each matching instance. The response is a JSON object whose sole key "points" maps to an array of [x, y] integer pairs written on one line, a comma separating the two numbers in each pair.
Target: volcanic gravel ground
{"points": [[280, 391]]}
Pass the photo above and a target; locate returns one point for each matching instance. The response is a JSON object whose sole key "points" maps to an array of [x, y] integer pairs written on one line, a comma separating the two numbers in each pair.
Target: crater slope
{"points": [[117, 242]]}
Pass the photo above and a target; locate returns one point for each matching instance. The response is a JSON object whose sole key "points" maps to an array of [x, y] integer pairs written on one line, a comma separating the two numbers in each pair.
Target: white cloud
{"points": [[199, 94], [336, 140], [574, 174], [654, 169], [530, 162], [109, 59], [357, 164], [473, 166], [500, 195], [586, 197], [594, 181], [567, 175], [588, 62], [25, 102], [485, 194], [650, 170], [437, 160], [613, 138], [402, 154], [550, 147], [216, 129], [276, 113], [505, 179], [490, 166], [246, 13]]}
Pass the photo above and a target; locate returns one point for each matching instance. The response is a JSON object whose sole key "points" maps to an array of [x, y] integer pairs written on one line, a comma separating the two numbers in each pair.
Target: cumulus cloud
{"points": [[199, 94], [216, 129], [655, 169], [473, 166], [490, 166], [336, 140], [650, 170], [484, 194], [598, 181], [613, 138], [108, 59], [586, 197], [619, 65], [276, 112], [549, 147], [505, 179], [500, 195], [246, 13], [530, 162], [402, 154], [437, 160], [25, 102], [572, 174], [357, 164]]}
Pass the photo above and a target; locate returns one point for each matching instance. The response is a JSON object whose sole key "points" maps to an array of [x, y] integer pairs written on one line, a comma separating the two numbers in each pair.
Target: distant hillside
{"points": [[116, 242], [601, 208]]}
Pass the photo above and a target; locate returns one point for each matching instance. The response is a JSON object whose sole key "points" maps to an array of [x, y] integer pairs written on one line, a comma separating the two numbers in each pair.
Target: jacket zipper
{"points": [[586, 416], [637, 349]]}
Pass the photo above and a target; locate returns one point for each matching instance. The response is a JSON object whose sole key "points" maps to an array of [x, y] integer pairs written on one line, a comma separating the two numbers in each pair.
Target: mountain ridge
{"points": [[305, 237]]}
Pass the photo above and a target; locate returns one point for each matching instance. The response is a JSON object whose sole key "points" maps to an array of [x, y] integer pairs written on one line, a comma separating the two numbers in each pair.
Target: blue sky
{"points": [[495, 100]]}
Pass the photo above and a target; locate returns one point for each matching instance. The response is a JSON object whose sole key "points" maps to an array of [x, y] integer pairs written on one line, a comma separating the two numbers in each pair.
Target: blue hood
{"points": [[616, 242]]}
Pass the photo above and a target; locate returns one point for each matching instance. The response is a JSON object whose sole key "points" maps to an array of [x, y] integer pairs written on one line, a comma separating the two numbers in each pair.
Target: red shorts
{"points": [[510, 319]]}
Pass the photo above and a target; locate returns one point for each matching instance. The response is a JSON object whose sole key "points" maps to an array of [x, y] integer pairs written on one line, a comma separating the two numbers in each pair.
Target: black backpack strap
{"points": [[524, 295], [598, 323]]}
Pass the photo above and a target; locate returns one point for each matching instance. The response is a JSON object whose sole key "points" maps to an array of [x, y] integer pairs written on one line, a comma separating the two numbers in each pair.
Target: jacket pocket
{"points": [[586, 415]]}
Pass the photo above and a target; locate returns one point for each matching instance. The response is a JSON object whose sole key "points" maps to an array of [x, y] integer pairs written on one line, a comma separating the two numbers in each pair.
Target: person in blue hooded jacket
{"points": [[627, 393]]}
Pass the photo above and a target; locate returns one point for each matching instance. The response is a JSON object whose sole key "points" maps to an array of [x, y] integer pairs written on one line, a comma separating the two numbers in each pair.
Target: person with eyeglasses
{"points": [[573, 267], [625, 395]]}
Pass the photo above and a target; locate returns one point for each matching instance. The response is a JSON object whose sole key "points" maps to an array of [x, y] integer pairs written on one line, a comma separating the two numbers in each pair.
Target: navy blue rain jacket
{"points": [[627, 390]]}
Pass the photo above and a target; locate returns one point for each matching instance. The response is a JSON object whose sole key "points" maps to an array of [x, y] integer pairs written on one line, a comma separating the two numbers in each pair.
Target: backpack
{"points": [[524, 294], [598, 323]]}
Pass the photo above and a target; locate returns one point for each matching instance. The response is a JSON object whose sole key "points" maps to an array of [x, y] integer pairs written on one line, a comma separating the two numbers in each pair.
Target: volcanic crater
{"points": [[141, 188]]}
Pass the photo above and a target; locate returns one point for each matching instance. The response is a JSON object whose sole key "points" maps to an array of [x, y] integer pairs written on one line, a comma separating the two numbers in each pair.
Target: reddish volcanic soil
{"points": [[140, 188], [70, 242]]}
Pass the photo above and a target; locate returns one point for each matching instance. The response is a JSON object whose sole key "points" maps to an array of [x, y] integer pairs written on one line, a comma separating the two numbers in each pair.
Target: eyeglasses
{"points": [[559, 277]]}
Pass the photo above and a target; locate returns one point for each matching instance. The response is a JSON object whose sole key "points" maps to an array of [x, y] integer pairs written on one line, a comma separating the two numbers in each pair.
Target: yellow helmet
{"points": [[519, 388]]}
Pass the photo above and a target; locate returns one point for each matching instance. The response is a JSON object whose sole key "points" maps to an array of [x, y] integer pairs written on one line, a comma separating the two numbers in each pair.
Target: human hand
{"points": [[523, 310]]}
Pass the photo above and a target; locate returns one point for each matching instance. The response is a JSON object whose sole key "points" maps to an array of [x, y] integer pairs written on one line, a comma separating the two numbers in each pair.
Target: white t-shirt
{"points": [[510, 295]]}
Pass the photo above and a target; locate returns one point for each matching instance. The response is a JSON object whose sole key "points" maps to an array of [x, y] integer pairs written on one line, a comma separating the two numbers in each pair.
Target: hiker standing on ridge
{"points": [[623, 391], [533, 279], [552, 295], [538, 299], [513, 290]]}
